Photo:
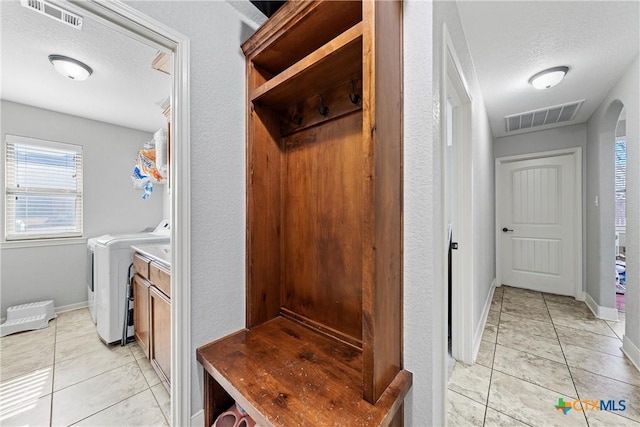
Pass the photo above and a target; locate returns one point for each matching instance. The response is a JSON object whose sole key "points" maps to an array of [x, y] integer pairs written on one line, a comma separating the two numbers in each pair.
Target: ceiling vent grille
{"points": [[544, 116], [54, 12]]}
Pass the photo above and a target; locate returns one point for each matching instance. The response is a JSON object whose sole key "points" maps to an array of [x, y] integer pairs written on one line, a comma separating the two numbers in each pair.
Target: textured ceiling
{"points": [[123, 89], [512, 40]]}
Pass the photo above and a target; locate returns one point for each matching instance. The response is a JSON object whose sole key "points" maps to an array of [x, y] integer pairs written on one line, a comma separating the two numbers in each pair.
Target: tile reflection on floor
{"points": [[64, 375], [538, 348]]}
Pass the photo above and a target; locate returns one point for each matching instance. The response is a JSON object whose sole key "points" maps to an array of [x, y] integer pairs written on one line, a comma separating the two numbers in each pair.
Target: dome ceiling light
{"points": [[70, 68], [548, 78]]}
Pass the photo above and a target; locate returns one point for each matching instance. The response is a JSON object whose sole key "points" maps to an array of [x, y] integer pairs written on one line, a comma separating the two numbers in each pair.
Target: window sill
{"points": [[40, 243]]}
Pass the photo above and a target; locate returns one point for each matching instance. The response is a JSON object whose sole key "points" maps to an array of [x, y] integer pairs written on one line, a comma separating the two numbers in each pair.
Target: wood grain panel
{"points": [[141, 312], [297, 29], [338, 101], [263, 217], [141, 265], [217, 398], [322, 211], [284, 374], [161, 278], [323, 69], [160, 318], [382, 132]]}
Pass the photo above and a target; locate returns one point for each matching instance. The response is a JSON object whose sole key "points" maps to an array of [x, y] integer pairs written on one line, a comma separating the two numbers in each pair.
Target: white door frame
{"points": [[461, 307], [576, 153], [124, 19]]}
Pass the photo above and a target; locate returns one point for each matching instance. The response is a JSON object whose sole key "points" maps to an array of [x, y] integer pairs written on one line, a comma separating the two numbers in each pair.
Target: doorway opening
{"points": [[620, 153], [136, 25], [456, 210]]}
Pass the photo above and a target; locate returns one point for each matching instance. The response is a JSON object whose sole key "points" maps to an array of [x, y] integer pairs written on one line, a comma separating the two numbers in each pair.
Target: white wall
{"points": [[549, 140], [216, 31], [544, 140], [422, 199], [483, 199], [111, 205], [600, 182]]}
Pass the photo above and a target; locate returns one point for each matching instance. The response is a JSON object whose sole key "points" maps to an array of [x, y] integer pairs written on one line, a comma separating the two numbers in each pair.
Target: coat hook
{"points": [[353, 96], [296, 117], [322, 109]]}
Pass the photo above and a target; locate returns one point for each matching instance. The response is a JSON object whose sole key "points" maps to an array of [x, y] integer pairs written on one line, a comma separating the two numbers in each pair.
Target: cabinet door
{"points": [[141, 312], [160, 333]]}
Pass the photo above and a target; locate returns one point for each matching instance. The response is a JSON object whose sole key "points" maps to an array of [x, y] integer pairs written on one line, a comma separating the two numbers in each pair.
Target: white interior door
{"points": [[536, 222]]}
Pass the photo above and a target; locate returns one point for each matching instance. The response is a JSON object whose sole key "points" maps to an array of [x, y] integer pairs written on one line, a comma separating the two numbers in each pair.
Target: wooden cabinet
{"points": [[152, 313], [323, 340], [141, 312], [141, 265], [160, 321], [160, 277]]}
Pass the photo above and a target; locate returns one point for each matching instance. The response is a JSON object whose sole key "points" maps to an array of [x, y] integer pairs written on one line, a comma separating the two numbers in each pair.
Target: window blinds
{"points": [[621, 184], [43, 189]]}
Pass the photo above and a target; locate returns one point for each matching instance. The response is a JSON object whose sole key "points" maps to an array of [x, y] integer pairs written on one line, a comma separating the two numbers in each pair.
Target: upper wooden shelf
{"points": [[296, 30], [327, 67], [285, 374]]}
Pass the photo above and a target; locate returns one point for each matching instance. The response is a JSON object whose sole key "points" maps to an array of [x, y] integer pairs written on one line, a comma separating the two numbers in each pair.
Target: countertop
{"points": [[157, 252]]}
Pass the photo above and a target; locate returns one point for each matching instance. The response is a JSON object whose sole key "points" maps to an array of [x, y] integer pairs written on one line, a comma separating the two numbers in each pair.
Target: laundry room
{"points": [[110, 117], [85, 123]]}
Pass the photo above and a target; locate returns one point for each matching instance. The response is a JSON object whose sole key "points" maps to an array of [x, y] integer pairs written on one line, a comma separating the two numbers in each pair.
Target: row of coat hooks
{"points": [[323, 110]]}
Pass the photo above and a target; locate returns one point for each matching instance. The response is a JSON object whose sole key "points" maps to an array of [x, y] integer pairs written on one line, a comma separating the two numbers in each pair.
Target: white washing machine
{"points": [[112, 257], [91, 277]]}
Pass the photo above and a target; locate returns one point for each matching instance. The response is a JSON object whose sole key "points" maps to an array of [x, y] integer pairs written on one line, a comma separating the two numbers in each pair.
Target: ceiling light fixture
{"points": [[548, 78], [70, 68]]}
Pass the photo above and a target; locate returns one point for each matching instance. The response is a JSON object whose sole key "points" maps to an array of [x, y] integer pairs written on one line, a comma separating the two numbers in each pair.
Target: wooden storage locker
{"points": [[323, 339]]}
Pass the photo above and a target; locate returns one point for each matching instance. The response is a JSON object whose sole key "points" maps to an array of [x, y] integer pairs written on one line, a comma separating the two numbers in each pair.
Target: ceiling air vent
{"points": [[544, 116], [54, 12]]}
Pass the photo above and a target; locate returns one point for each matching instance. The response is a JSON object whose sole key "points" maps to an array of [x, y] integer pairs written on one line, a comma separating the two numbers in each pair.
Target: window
{"points": [[43, 189], [621, 184]]}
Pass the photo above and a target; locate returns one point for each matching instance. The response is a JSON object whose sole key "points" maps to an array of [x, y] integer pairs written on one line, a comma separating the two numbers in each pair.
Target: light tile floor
{"points": [[64, 375], [537, 348]]}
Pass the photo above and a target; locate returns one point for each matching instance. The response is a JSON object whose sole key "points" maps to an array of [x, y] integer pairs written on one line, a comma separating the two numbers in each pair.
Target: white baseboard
{"points": [[70, 307], [477, 336], [631, 351], [197, 419], [581, 296], [604, 313]]}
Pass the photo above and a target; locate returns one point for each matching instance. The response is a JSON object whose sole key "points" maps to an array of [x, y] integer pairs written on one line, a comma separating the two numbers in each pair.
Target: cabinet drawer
{"points": [[141, 265], [160, 277]]}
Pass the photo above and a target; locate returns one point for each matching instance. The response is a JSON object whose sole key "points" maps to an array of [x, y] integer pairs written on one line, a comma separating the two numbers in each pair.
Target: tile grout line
{"points": [[158, 403], [110, 406], [521, 379], [86, 379], [558, 341], [592, 332], [586, 370], [129, 397], [584, 414], [495, 345], [96, 375]]}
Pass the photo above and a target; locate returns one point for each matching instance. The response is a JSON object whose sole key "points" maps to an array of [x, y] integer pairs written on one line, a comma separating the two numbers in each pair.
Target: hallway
{"points": [[536, 349]]}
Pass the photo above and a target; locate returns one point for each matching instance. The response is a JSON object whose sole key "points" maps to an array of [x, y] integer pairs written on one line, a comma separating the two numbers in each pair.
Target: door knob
{"points": [[504, 230]]}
